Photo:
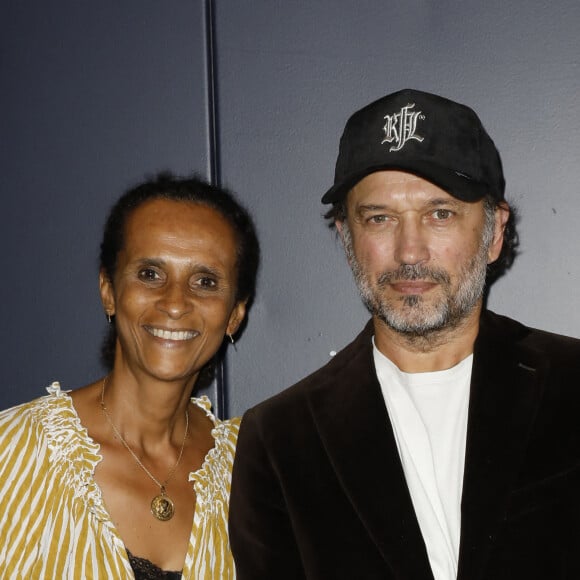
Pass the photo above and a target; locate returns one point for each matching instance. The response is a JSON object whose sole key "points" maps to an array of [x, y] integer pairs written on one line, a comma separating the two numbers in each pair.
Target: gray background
{"points": [[96, 95]]}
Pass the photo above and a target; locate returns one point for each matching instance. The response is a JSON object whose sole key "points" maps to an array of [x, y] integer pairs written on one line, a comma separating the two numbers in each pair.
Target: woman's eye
{"points": [[148, 275], [207, 283]]}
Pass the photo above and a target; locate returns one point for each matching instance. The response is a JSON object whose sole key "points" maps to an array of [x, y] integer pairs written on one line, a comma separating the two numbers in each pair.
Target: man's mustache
{"points": [[414, 272]]}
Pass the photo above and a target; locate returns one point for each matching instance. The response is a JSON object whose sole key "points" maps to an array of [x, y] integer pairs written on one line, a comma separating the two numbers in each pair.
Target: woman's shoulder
{"points": [[204, 403], [219, 460], [50, 420], [33, 411]]}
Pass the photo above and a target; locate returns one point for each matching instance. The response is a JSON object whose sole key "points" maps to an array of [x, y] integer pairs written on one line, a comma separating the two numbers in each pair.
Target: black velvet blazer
{"points": [[319, 491]]}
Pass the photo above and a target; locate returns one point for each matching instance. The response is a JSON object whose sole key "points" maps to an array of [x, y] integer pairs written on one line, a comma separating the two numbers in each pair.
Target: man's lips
{"points": [[412, 286]]}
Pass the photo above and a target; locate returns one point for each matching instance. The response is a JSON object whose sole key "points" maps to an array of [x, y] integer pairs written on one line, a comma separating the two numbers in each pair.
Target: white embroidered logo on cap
{"points": [[401, 127]]}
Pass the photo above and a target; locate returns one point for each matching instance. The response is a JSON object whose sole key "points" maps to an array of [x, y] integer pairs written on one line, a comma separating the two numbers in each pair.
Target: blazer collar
{"points": [[351, 417], [506, 388]]}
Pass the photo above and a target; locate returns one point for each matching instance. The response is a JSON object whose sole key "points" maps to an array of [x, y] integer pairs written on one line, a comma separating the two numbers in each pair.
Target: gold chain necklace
{"points": [[162, 506]]}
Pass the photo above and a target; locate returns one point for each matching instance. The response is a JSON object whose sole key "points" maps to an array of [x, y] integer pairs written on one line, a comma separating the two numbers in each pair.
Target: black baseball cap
{"points": [[430, 136]]}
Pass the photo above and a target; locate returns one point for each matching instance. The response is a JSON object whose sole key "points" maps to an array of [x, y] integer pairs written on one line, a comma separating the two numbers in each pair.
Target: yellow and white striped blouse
{"points": [[53, 523]]}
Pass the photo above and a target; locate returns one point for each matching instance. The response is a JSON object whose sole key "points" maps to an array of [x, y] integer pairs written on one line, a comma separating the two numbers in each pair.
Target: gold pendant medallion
{"points": [[162, 507]]}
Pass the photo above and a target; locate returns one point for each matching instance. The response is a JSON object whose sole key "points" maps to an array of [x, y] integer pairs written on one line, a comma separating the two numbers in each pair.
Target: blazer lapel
{"points": [[506, 387], [353, 424]]}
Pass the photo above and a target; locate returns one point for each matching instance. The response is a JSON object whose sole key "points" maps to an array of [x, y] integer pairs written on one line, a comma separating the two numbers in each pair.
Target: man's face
{"points": [[419, 256]]}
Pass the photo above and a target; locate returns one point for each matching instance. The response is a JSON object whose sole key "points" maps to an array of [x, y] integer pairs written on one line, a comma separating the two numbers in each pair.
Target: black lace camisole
{"points": [[146, 570]]}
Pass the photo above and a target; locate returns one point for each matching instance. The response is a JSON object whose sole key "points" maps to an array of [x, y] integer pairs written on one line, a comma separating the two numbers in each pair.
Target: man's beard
{"points": [[411, 315]]}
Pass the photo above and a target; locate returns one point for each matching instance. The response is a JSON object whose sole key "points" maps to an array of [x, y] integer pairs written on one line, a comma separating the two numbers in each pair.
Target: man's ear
{"points": [[338, 224], [501, 216]]}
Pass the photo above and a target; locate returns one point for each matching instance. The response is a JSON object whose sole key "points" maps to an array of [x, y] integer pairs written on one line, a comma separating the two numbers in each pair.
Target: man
{"points": [[444, 441]]}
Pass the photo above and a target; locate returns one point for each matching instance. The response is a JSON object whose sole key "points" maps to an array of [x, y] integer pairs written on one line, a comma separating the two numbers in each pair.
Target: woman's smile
{"points": [[175, 335]]}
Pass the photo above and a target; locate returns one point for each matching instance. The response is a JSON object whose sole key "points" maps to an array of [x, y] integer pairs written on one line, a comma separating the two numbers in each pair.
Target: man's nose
{"points": [[411, 245]]}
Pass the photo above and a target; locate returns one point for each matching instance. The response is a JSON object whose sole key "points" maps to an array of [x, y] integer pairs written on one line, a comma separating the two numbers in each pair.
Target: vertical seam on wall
{"points": [[212, 98], [214, 169]]}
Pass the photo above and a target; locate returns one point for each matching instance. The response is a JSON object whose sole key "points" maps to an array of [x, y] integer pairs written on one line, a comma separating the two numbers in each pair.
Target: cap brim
{"points": [[457, 184]]}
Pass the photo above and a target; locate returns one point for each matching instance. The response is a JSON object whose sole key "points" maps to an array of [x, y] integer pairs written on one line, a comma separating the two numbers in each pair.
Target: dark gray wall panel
{"points": [[94, 96], [290, 74]]}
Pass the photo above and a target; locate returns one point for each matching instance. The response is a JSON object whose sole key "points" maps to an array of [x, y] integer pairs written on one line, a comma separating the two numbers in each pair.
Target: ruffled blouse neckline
{"points": [[69, 441]]}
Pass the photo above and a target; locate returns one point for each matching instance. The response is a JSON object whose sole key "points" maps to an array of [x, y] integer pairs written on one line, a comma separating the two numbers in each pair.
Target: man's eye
{"points": [[442, 214], [378, 219], [148, 275]]}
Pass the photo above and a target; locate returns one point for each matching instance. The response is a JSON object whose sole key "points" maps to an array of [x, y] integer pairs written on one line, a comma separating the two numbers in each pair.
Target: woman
{"points": [[129, 476]]}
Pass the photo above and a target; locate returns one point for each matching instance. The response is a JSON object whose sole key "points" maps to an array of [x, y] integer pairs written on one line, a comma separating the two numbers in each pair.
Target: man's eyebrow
{"points": [[370, 207], [439, 201]]}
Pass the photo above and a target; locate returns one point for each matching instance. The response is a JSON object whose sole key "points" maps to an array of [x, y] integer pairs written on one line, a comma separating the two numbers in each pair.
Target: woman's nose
{"points": [[175, 301]]}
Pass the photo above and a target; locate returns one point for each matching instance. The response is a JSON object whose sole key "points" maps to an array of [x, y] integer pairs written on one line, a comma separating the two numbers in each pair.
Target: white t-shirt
{"points": [[428, 412]]}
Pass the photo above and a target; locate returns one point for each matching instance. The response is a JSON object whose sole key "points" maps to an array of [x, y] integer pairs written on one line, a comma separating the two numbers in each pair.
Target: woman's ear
{"points": [[236, 317], [107, 294]]}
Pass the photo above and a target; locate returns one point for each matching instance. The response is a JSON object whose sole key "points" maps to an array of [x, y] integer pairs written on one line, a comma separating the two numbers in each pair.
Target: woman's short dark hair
{"points": [[191, 189], [496, 269]]}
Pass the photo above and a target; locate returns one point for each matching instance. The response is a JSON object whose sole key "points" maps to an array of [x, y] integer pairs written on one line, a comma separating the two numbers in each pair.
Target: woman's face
{"points": [[173, 292]]}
